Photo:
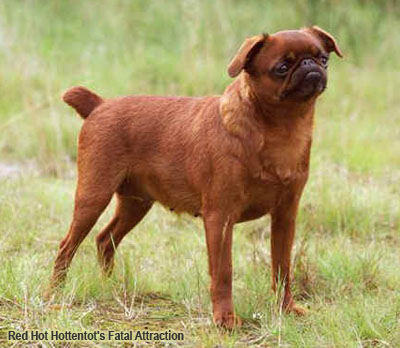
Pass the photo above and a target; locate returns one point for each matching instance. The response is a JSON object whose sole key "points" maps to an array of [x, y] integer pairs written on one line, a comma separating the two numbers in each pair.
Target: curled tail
{"points": [[82, 100]]}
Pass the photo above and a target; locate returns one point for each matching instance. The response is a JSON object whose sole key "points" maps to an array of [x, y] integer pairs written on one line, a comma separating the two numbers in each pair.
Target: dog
{"points": [[228, 159]]}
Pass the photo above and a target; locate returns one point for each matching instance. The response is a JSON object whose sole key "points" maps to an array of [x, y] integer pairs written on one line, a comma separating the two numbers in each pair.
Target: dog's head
{"points": [[288, 66]]}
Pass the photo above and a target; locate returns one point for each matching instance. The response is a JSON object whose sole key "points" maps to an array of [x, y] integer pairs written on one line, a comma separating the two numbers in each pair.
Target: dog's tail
{"points": [[82, 100]]}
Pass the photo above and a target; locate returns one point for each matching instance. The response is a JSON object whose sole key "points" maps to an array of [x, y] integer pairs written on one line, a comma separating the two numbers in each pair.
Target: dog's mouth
{"points": [[305, 83], [312, 84]]}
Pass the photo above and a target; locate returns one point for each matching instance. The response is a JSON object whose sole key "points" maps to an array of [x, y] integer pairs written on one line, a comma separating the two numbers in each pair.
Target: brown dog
{"points": [[228, 158]]}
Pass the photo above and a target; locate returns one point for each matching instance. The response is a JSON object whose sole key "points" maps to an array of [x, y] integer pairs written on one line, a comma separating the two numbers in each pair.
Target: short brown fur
{"points": [[228, 158]]}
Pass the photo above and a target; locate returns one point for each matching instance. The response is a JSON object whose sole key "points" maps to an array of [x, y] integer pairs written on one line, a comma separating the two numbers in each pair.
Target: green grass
{"points": [[346, 263]]}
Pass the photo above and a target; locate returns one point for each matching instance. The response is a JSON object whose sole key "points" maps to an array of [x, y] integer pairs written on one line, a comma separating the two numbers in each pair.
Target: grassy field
{"points": [[346, 257]]}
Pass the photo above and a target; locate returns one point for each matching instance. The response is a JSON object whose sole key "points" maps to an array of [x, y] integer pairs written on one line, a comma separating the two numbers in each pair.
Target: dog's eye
{"points": [[324, 61], [282, 69]]}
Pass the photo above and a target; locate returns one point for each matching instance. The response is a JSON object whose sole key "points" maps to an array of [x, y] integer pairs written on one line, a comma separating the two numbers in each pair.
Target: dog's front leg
{"points": [[219, 228], [282, 235]]}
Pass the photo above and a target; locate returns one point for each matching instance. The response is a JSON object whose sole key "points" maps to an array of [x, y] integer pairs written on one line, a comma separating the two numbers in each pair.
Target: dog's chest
{"points": [[281, 165], [284, 156]]}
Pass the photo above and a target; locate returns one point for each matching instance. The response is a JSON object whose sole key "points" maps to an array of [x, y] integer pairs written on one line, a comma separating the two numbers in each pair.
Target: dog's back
{"points": [[159, 144]]}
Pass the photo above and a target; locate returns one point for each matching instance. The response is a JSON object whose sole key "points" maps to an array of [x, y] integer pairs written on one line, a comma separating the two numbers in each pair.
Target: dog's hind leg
{"points": [[129, 211], [88, 207], [95, 189]]}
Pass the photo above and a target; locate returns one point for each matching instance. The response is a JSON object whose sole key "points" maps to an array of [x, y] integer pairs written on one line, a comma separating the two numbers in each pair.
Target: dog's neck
{"points": [[277, 138], [240, 101]]}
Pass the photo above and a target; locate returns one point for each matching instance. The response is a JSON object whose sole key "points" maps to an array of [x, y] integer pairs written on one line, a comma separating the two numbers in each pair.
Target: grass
{"points": [[346, 264]]}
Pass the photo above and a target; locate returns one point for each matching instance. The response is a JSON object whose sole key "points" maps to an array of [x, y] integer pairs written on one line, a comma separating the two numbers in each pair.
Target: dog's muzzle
{"points": [[307, 80]]}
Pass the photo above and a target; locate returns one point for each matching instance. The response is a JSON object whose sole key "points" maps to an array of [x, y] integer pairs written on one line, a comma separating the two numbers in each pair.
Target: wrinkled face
{"points": [[286, 67], [292, 65]]}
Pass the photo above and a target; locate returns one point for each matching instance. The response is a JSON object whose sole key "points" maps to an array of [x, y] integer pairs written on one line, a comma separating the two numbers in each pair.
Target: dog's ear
{"points": [[326, 39], [250, 47]]}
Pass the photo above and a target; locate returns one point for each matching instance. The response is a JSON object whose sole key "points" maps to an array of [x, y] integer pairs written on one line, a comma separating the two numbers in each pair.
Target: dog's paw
{"points": [[48, 294], [227, 320], [52, 290], [296, 310]]}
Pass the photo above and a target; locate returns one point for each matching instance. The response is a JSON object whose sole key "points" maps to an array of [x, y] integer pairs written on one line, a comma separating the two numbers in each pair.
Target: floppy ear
{"points": [[327, 40], [250, 47]]}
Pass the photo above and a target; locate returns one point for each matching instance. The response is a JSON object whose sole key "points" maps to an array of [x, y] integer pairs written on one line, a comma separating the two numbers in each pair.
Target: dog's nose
{"points": [[307, 62]]}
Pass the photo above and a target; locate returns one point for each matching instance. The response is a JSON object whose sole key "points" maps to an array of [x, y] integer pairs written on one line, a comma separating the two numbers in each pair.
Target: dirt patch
{"points": [[14, 170]]}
